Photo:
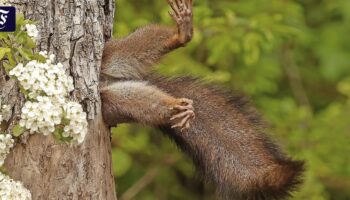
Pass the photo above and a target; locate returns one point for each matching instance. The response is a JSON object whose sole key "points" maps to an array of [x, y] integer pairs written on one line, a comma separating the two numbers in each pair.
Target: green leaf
{"points": [[3, 51], [58, 134], [25, 53], [21, 37], [3, 170], [19, 22], [7, 67], [11, 59], [66, 139], [30, 43], [39, 58], [23, 91], [18, 130], [65, 121]]}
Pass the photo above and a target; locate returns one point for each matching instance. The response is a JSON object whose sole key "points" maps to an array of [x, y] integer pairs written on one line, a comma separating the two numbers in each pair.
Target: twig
{"points": [[294, 78], [140, 184]]}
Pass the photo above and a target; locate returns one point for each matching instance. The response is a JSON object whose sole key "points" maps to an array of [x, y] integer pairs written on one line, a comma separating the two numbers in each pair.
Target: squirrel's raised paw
{"points": [[182, 10], [183, 16], [184, 114]]}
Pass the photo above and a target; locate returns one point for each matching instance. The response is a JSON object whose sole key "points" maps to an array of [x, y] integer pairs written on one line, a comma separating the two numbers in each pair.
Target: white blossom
{"points": [[48, 87], [32, 31], [43, 53], [5, 112], [13, 190], [78, 126], [41, 116], [38, 78], [6, 143]]}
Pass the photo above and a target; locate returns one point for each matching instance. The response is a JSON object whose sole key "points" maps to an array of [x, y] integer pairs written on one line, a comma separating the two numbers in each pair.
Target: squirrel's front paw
{"points": [[183, 16], [184, 114]]}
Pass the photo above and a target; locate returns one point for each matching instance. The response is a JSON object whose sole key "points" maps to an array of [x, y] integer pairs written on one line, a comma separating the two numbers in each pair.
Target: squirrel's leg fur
{"points": [[136, 101], [129, 58], [228, 146]]}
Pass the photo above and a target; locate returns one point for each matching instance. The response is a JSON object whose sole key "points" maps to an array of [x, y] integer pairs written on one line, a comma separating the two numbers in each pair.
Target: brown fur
{"points": [[228, 145], [136, 53], [226, 139]]}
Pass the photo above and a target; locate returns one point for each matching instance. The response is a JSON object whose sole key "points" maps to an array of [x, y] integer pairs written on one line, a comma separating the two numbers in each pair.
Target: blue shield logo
{"points": [[7, 19]]}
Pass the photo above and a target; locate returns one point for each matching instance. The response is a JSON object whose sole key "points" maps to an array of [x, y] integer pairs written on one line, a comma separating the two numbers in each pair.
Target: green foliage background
{"points": [[291, 57]]}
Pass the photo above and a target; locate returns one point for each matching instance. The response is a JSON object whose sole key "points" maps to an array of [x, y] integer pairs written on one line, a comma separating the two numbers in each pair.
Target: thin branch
{"points": [[147, 179], [294, 77]]}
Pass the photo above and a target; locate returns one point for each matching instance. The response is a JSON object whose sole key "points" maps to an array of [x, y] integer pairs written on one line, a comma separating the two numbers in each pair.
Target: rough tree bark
{"points": [[75, 32]]}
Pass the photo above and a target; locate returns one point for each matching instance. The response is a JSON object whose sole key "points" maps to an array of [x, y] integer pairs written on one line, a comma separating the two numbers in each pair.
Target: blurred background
{"points": [[291, 57]]}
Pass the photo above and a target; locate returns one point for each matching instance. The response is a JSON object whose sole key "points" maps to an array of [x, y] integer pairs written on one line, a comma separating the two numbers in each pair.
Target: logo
{"points": [[7, 19]]}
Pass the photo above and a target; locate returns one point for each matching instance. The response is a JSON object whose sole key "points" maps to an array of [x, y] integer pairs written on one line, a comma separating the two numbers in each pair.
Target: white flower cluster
{"points": [[12, 190], [77, 127], [43, 78], [41, 116], [32, 31], [5, 112], [48, 88], [6, 143]]}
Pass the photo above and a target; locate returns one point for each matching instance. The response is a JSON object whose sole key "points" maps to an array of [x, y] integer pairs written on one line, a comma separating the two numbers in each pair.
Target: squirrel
{"points": [[219, 131]]}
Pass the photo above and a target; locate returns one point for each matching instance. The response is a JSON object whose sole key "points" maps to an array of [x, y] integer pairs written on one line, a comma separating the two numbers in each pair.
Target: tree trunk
{"points": [[75, 31]]}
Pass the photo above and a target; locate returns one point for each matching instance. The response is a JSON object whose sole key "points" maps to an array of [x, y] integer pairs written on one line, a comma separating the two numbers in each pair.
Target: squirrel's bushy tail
{"points": [[229, 146]]}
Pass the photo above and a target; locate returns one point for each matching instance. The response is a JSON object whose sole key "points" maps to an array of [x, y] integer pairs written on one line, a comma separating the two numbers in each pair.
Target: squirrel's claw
{"points": [[184, 124], [182, 10], [187, 107], [175, 7], [185, 114]]}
